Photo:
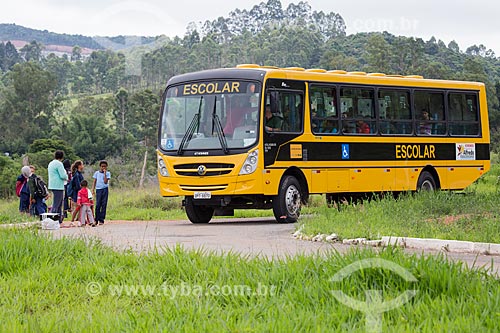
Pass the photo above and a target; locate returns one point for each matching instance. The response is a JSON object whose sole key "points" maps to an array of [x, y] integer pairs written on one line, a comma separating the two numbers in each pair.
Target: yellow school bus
{"points": [[260, 137]]}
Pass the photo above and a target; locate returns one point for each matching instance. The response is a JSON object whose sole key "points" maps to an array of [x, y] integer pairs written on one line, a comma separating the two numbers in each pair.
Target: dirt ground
{"points": [[255, 236]]}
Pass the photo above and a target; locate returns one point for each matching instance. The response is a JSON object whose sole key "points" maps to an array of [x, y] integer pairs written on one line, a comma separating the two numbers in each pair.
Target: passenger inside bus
{"points": [[425, 126], [362, 127], [239, 114], [273, 123], [348, 124]]}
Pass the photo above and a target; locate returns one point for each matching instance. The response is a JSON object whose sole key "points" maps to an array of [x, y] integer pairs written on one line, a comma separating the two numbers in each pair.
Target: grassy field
{"points": [[70, 286], [471, 215]]}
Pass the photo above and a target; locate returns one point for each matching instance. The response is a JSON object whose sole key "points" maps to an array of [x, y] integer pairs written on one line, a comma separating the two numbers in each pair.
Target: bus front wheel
{"points": [[287, 204], [198, 214], [426, 182]]}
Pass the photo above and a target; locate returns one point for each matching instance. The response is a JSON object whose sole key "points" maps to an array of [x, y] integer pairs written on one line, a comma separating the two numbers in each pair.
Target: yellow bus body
{"points": [[413, 153]]}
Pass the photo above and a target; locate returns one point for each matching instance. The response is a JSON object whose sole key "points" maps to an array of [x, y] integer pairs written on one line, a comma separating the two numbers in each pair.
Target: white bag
{"points": [[50, 224]]}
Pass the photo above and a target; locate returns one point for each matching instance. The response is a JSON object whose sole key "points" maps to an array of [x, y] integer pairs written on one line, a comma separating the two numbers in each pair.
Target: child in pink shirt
{"points": [[85, 203]]}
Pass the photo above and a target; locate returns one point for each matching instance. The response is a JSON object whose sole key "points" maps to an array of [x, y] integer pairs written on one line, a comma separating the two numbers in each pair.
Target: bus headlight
{"points": [[250, 164], [162, 167]]}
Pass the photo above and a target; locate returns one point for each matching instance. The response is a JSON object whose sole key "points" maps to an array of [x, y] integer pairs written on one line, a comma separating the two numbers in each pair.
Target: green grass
{"points": [[471, 215], [44, 288]]}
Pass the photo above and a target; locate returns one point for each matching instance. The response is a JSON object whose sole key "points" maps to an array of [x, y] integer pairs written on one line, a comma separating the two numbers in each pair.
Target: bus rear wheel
{"points": [[287, 204], [426, 182], [198, 214]]}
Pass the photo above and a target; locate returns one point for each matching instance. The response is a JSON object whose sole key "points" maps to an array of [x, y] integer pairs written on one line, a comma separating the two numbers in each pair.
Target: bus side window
{"points": [[358, 110], [288, 108], [324, 115], [462, 110], [394, 112], [429, 113]]}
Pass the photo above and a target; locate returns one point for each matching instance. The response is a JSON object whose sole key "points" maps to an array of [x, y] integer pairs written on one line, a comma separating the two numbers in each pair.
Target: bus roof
{"points": [[257, 72]]}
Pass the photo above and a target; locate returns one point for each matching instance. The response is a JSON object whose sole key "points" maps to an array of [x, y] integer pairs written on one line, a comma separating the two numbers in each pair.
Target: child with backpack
{"points": [[38, 193], [85, 203]]}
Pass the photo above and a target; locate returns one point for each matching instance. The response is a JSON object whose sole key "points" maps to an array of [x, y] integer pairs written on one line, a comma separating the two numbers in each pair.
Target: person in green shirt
{"points": [[57, 179], [273, 123]]}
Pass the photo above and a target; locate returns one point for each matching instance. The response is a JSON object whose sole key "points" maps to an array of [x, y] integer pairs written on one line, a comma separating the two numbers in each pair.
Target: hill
{"points": [[20, 36], [14, 32]]}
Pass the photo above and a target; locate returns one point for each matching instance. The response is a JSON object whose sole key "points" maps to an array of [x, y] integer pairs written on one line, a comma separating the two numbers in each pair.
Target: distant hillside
{"points": [[20, 33]]}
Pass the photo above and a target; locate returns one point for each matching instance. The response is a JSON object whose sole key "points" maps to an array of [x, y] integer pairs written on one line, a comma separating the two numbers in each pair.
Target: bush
{"points": [[9, 170]]}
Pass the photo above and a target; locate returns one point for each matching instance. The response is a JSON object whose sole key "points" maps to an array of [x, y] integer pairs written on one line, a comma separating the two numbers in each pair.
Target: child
{"points": [[100, 188], [84, 202]]}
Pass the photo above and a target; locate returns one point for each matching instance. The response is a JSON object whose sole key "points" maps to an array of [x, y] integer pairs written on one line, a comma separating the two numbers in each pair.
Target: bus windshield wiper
{"points": [[193, 126], [218, 128]]}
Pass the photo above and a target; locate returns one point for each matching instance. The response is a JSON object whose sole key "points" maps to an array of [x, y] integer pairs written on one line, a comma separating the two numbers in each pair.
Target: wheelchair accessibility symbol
{"points": [[345, 151], [170, 144]]}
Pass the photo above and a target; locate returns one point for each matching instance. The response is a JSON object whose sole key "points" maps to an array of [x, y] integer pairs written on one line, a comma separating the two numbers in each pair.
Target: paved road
{"points": [[255, 236]]}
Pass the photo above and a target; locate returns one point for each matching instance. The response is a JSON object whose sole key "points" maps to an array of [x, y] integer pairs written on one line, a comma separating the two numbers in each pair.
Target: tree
{"points": [[32, 51], [145, 109], [378, 54], [121, 110], [76, 54], [92, 138], [52, 145], [28, 104], [8, 171], [11, 56]]}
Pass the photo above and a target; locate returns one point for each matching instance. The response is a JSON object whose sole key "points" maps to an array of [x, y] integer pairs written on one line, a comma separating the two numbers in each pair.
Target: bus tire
{"points": [[198, 214], [426, 182], [287, 204]]}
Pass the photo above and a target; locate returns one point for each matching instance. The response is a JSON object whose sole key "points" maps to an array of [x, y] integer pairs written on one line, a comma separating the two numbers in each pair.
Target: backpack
{"points": [[19, 187], [69, 188], [41, 189]]}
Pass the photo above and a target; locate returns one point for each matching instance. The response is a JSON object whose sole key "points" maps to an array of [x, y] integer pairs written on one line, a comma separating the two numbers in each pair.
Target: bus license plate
{"points": [[202, 195]]}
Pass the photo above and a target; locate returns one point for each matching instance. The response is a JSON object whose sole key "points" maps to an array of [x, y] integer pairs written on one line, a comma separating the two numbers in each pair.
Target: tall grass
{"points": [[470, 215], [44, 288]]}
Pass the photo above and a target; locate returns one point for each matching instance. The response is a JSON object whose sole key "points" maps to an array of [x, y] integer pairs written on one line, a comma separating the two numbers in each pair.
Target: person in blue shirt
{"points": [[100, 190], [57, 179]]}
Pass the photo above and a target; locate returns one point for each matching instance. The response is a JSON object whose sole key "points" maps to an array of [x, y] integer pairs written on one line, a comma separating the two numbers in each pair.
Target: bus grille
{"points": [[212, 169], [203, 188]]}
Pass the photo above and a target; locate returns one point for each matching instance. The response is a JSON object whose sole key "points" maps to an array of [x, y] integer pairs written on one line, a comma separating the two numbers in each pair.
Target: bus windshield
{"points": [[210, 115]]}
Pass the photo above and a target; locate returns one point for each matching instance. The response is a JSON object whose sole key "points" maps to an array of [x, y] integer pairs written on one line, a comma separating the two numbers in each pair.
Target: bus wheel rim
{"points": [[427, 185], [292, 200]]}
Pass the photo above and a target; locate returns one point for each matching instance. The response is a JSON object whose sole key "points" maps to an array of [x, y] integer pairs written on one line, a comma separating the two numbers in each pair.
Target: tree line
{"points": [[99, 107]]}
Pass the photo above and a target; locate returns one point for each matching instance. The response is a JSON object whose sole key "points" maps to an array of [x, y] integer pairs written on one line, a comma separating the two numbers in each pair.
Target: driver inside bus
{"points": [[273, 123]]}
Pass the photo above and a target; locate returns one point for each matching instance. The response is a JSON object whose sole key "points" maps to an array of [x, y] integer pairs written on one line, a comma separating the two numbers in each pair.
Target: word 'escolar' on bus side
{"points": [[415, 151]]}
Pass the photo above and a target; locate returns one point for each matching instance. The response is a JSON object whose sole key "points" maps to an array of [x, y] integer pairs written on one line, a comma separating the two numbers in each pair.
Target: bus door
{"points": [[283, 122]]}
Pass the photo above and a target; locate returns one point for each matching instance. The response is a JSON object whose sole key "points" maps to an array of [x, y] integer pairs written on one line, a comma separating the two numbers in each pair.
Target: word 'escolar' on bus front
{"points": [[211, 88], [415, 151]]}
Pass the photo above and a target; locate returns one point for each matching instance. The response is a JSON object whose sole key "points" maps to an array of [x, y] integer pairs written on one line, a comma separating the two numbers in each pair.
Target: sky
{"points": [[465, 21]]}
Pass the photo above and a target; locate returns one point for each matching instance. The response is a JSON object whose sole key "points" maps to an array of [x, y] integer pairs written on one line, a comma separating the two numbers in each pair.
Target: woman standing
{"points": [[75, 185], [23, 190], [57, 177]]}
